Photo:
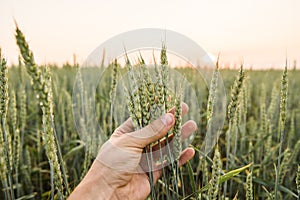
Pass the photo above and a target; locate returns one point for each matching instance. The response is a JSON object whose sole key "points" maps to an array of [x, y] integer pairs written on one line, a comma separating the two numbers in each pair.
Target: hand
{"points": [[117, 172]]}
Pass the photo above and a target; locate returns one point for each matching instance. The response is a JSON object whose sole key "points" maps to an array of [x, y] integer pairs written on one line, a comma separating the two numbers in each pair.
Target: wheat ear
{"points": [[3, 112], [44, 95]]}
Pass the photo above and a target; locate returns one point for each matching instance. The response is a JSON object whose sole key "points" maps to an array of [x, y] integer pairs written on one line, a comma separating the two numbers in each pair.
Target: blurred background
{"points": [[259, 33]]}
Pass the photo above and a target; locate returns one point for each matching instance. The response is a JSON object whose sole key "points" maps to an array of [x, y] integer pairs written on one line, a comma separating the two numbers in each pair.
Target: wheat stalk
{"points": [[298, 181], [112, 94], [243, 116], [235, 93], [23, 114], [17, 140], [149, 99], [44, 96], [138, 106], [284, 165], [177, 127], [6, 138], [216, 173], [292, 130], [282, 120], [3, 166], [164, 76], [212, 94], [249, 186], [231, 113]]}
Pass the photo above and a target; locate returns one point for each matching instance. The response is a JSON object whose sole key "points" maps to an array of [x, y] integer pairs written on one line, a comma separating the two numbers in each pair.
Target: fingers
{"points": [[156, 175], [152, 132], [126, 127], [184, 107], [187, 129], [185, 156]]}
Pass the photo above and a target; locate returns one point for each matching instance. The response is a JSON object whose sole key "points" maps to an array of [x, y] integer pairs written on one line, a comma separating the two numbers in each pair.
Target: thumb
{"points": [[152, 132]]}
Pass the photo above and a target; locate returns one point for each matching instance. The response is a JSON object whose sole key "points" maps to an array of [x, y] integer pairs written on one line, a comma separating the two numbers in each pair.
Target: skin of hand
{"points": [[116, 173]]}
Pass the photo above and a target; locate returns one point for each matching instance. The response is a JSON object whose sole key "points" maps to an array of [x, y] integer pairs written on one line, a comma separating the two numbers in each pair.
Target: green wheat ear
{"points": [[249, 186], [3, 87], [284, 166], [216, 173], [282, 121], [298, 180], [112, 94], [42, 86], [232, 113], [16, 149], [165, 76], [235, 92], [212, 93], [6, 147], [283, 98], [177, 127]]}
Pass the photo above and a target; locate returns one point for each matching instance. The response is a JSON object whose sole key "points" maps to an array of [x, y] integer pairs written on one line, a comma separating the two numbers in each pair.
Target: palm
{"points": [[120, 167], [137, 185]]}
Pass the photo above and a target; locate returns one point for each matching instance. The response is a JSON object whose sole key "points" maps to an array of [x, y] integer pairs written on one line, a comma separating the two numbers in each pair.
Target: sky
{"points": [[260, 33]]}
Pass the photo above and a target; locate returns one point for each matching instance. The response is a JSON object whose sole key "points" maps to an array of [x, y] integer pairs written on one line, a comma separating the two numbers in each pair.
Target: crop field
{"points": [[255, 154]]}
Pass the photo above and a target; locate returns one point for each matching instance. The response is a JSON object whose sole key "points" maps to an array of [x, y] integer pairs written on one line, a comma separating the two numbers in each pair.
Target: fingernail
{"points": [[193, 125], [167, 119]]}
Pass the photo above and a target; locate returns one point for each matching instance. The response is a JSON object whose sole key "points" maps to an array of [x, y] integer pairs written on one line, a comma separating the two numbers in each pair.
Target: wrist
{"points": [[95, 185]]}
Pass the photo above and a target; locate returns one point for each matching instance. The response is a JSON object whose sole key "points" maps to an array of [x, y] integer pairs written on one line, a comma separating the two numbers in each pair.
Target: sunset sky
{"points": [[258, 32]]}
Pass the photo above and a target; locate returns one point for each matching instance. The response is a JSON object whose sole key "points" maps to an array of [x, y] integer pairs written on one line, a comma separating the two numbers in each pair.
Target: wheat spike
{"points": [[212, 94], [216, 173], [249, 186], [44, 95], [177, 127], [282, 120], [232, 113], [284, 166], [235, 92], [6, 137], [298, 180]]}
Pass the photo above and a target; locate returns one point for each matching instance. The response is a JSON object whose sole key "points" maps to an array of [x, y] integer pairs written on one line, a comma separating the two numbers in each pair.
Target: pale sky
{"points": [[258, 32]]}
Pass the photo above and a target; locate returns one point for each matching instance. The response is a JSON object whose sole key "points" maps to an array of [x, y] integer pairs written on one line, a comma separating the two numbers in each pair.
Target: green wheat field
{"points": [[256, 156]]}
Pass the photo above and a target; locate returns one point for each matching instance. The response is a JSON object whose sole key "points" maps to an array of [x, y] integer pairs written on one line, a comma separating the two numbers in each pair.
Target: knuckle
{"points": [[154, 128]]}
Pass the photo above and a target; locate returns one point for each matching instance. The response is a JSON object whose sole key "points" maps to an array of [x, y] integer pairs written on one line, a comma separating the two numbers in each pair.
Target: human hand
{"points": [[119, 171]]}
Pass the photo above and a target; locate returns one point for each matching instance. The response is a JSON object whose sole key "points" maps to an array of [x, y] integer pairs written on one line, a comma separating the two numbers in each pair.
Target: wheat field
{"points": [[256, 155]]}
